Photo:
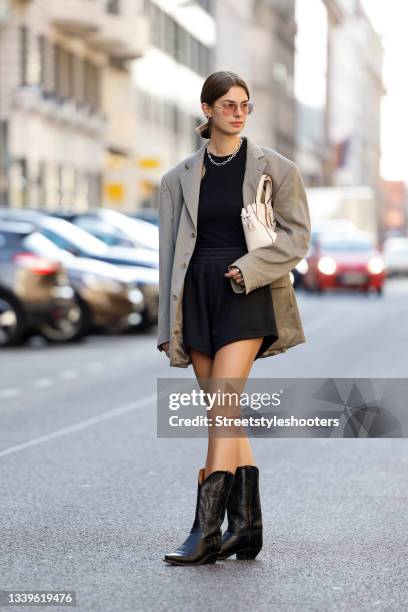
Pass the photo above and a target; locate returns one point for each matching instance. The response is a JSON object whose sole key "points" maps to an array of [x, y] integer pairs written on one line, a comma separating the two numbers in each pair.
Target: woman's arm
{"points": [[263, 265], [166, 255]]}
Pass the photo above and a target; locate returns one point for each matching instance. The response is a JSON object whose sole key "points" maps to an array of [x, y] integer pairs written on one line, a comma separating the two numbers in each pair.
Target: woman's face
{"points": [[229, 113]]}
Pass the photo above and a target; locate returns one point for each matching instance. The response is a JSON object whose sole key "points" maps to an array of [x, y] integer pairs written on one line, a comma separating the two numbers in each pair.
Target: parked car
{"points": [[35, 293], [19, 214], [81, 243], [395, 252], [350, 261], [115, 228], [102, 230], [107, 296]]}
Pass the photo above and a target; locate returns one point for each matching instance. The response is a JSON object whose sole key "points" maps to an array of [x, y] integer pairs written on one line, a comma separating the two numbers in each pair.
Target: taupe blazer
{"points": [[179, 196]]}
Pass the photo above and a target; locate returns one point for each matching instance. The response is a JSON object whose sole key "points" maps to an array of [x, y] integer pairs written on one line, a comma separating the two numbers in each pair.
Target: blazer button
{"points": [[193, 234], [174, 296], [184, 265]]}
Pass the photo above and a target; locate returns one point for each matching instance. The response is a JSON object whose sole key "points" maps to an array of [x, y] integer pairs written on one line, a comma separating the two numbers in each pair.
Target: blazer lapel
{"points": [[190, 177]]}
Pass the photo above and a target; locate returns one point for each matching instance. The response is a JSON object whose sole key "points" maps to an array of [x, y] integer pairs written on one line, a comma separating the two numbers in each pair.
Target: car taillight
{"points": [[37, 264]]}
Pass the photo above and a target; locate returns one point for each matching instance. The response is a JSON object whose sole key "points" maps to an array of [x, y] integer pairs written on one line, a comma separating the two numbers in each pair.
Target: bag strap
{"points": [[265, 178]]}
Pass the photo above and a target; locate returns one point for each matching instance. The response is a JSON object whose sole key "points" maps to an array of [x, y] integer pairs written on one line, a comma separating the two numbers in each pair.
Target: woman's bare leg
{"points": [[232, 361], [201, 363]]}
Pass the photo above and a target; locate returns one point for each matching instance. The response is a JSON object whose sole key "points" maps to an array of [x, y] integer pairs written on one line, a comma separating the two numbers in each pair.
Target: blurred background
{"points": [[98, 99]]}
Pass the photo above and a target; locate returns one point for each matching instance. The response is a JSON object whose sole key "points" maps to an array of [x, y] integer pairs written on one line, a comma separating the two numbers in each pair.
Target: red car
{"points": [[344, 261]]}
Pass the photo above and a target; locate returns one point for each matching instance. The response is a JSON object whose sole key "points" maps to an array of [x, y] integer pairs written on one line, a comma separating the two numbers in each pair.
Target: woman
{"points": [[222, 307]]}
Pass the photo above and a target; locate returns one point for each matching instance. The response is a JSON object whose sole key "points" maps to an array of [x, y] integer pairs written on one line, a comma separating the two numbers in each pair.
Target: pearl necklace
{"points": [[229, 158]]}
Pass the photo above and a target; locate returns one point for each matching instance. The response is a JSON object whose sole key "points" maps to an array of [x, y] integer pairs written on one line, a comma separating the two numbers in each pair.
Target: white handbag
{"points": [[257, 218]]}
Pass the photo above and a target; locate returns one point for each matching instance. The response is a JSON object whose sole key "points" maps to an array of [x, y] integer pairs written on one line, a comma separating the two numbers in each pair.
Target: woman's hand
{"points": [[236, 275], [166, 348]]}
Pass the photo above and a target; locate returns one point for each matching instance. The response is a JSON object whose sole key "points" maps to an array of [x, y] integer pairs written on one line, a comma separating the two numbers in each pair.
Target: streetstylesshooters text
{"points": [[254, 401]]}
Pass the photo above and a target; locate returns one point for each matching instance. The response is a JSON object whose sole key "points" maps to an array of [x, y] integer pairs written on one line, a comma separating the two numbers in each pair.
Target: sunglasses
{"points": [[231, 107]]}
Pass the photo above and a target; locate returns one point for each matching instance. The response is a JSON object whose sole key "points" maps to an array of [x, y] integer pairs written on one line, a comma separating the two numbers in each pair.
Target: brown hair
{"points": [[216, 85]]}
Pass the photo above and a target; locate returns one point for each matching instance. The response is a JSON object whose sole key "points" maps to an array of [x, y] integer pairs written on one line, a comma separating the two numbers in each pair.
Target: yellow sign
{"points": [[115, 192], [148, 162]]}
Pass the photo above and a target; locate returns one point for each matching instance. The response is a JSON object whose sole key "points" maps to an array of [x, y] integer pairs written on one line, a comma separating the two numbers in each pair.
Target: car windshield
{"points": [[143, 232], [39, 244], [103, 231], [67, 235]]}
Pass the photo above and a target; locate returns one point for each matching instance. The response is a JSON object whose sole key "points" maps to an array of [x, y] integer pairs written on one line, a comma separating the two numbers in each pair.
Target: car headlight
{"points": [[327, 265], [135, 296], [65, 292], [375, 265]]}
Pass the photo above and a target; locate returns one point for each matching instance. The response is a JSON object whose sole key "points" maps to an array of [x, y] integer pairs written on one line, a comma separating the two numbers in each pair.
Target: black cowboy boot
{"points": [[243, 536], [204, 541]]}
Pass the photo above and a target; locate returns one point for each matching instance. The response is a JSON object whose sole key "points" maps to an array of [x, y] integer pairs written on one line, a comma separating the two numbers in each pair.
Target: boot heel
{"points": [[211, 559], [243, 537], [248, 554]]}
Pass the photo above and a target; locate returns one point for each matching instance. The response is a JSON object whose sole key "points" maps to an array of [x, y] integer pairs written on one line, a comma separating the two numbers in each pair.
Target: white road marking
{"points": [[81, 424], [110, 414]]}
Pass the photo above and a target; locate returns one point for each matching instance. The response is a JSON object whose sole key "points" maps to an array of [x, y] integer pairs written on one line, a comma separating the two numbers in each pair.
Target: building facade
{"points": [[168, 80], [256, 39], [59, 64]]}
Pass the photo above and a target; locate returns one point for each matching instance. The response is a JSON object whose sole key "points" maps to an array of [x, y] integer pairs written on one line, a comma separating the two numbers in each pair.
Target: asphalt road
{"points": [[91, 499]]}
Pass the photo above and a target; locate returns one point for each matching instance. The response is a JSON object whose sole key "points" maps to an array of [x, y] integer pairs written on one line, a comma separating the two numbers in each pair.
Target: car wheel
{"points": [[71, 328], [12, 321], [380, 291]]}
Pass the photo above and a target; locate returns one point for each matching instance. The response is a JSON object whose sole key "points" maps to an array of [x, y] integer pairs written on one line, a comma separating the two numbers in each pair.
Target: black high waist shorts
{"points": [[213, 313]]}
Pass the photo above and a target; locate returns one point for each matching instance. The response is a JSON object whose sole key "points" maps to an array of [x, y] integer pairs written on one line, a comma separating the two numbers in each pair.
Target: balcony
{"points": [[121, 37], [28, 98], [66, 112], [76, 17]]}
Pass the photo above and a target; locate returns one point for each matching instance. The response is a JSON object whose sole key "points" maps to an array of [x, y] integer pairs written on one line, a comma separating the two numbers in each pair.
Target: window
{"points": [[23, 55], [58, 72], [180, 44], [207, 5], [92, 84], [113, 7], [168, 34], [195, 55], [155, 24], [176, 119]]}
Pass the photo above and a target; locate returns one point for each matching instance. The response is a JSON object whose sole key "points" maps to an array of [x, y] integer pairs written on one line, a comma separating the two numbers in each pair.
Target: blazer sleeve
{"points": [[263, 265], [166, 256]]}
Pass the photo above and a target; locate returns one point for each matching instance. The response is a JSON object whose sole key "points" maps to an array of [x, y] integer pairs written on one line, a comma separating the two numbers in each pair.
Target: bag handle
{"points": [[265, 178]]}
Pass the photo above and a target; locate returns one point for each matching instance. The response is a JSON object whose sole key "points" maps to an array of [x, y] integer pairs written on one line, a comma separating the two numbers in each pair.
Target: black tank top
{"points": [[220, 201]]}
